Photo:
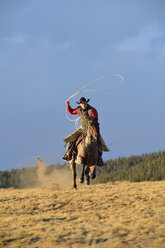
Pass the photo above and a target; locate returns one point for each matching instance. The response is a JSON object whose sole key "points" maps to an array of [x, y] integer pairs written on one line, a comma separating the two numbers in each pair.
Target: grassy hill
{"points": [[111, 215], [147, 167]]}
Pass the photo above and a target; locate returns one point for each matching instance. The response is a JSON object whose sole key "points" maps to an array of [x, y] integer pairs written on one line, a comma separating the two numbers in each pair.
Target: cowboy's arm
{"points": [[70, 110], [94, 113]]}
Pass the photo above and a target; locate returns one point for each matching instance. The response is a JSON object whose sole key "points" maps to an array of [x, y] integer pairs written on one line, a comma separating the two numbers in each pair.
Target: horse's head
{"points": [[93, 127]]}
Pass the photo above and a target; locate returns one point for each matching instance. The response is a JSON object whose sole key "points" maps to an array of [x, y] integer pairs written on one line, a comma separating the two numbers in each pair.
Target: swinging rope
{"points": [[95, 90]]}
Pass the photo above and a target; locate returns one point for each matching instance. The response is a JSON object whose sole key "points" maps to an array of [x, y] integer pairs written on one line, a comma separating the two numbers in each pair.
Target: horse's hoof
{"points": [[88, 182], [93, 175], [74, 187], [81, 180]]}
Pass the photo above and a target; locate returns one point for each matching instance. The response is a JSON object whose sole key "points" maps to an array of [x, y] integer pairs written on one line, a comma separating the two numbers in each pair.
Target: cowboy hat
{"points": [[82, 100]]}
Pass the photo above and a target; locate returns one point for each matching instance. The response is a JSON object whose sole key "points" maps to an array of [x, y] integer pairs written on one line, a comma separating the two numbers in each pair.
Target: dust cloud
{"points": [[59, 179]]}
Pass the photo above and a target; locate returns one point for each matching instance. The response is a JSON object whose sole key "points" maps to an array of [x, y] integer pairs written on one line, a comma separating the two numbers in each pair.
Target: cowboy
{"points": [[84, 110]]}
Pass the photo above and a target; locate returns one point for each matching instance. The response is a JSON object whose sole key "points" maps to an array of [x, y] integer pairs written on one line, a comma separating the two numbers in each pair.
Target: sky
{"points": [[49, 49]]}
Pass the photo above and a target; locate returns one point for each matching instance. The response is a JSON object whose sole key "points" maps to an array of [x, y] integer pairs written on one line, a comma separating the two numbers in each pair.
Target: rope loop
{"points": [[83, 89]]}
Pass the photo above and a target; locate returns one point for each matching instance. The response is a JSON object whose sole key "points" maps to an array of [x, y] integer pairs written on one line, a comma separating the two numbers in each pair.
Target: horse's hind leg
{"points": [[93, 172], [73, 168], [87, 177]]}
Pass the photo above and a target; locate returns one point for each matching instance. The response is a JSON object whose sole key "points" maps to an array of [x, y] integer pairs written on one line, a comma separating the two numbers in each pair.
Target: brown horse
{"points": [[87, 153]]}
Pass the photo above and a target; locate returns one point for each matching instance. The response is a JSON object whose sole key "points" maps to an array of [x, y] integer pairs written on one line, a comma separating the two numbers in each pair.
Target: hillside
{"points": [[112, 215], [147, 167]]}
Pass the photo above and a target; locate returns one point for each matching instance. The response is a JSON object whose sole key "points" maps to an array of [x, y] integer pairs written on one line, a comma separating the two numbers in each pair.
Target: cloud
{"points": [[54, 25], [149, 39], [41, 41], [17, 39]]}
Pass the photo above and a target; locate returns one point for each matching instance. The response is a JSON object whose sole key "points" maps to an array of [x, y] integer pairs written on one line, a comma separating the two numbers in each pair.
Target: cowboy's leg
{"points": [[71, 143], [100, 160], [104, 148]]}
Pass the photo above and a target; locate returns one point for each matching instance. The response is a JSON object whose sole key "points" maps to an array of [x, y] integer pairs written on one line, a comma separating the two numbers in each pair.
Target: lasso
{"points": [[83, 89]]}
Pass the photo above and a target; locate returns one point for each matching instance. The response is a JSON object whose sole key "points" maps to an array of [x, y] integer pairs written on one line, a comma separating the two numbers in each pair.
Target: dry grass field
{"points": [[118, 215]]}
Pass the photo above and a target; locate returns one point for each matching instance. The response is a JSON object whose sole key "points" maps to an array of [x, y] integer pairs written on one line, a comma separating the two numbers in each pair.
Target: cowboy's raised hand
{"points": [[67, 103]]}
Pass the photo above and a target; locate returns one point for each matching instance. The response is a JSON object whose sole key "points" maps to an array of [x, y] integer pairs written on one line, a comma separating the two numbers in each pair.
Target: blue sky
{"points": [[49, 49]]}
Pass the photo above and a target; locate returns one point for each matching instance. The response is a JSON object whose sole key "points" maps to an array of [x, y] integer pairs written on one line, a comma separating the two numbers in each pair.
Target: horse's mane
{"points": [[91, 121], [81, 137]]}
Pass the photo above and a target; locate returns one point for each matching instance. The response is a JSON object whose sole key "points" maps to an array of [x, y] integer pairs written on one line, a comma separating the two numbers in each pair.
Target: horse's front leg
{"points": [[74, 174], [82, 173], [87, 177]]}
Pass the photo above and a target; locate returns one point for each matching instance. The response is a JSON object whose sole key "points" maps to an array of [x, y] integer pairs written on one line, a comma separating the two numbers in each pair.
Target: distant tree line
{"points": [[147, 167], [24, 178], [19, 178]]}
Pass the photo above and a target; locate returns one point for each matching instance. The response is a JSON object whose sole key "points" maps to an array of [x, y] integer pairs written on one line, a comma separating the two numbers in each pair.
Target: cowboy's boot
{"points": [[100, 160], [68, 155]]}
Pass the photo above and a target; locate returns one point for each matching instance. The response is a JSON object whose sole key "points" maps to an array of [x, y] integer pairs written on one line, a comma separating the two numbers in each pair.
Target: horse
{"points": [[86, 153]]}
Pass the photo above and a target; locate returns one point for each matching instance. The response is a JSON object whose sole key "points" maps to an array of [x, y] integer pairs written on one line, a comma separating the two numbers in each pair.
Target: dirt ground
{"points": [[112, 215]]}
